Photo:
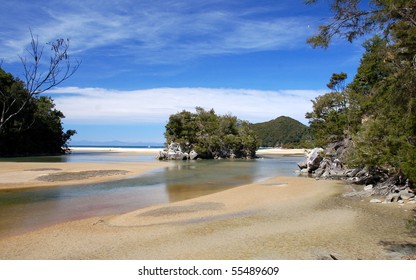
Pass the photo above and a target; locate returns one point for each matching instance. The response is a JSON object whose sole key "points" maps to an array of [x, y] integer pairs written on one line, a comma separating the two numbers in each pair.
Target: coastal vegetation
{"points": [[283, 132], [36, 129], [29, 122], [376, 111], [211, 135]]}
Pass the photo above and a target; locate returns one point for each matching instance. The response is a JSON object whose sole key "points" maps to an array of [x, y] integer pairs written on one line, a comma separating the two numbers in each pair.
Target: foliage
{"points": [[38, 76], [36, 129], [380, 111], [211, 135], [282, 132], [328, 120], [29, 123], [353, 18]]}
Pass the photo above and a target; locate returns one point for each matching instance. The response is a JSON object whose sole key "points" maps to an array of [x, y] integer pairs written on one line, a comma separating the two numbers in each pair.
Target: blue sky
{"points": [[143, 60]]}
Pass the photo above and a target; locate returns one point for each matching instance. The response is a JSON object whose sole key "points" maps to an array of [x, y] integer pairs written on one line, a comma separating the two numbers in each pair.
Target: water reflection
{"points": [[190, 179], [85, 156], [24, 210]]}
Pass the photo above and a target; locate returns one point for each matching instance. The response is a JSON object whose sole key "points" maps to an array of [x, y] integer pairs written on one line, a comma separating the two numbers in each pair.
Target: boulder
{"points": [[392, 197], [352, 172], [405, 194], [174, 152], [314, 159], [193, 155], [368, 187], [162, 155], [302, 165], [324, 168]]}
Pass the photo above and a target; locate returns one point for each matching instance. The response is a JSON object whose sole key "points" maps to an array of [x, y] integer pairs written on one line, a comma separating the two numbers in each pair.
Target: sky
{"points": [[143, 60]]}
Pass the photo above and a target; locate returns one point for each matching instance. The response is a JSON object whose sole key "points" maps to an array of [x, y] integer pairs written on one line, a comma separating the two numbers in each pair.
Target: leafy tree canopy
{"points": [[211, 135], [377, 110], [354, 18], [36, 129]]}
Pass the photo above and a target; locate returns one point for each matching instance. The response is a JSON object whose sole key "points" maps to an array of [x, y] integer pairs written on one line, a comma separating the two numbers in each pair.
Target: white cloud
{"points": [[152, 32], [104, 106]]}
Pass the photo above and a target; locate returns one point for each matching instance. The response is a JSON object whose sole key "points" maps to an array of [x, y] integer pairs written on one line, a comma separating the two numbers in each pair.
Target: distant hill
{"points": [[282, 131]]}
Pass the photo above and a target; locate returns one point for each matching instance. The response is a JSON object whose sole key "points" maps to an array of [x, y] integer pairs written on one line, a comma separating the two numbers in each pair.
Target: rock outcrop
{"points": [[174, 152], [327, 164]]}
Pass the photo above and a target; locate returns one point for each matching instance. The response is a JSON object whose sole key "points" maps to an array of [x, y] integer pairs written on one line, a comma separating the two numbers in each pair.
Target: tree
{"points": [[329, 118], [37, 77], [37, 128], [353, 19], [337, 82], [211, 135], [381, 108]]}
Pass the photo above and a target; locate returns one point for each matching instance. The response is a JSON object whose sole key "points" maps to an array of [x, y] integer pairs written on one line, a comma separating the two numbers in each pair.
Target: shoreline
{"points": [[141, 151], [278, 218], [281, 151], [23, 175], [155, 151]]}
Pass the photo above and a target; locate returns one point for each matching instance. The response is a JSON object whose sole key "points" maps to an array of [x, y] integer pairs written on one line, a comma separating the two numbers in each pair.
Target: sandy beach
{"points": [[277, 218], [142, 151], [15, 175], [280, 151]]}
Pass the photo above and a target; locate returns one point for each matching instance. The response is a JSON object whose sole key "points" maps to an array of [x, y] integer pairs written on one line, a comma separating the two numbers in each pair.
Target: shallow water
{"points": [[25, 210]]}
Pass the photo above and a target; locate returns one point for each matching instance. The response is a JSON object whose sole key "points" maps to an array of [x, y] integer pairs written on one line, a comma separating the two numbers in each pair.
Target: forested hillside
{"points": [[282, 132]]}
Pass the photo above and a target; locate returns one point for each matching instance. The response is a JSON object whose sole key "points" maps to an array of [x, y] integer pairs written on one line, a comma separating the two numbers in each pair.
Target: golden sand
{"points": [[280, 218], [14, 175]]}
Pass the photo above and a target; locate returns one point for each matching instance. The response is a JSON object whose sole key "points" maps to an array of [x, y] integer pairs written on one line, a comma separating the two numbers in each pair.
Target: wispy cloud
{"points": [[103, 106], [150, 31]]}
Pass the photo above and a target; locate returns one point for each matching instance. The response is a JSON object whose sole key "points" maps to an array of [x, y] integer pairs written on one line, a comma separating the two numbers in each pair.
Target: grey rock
{"points": [[314, 159], [375, 200], [319, 172], [392, 197], [193, 155], [304, 171], [302, 165], [405, 194], [368, 187], [173, 152], [352, 172]]}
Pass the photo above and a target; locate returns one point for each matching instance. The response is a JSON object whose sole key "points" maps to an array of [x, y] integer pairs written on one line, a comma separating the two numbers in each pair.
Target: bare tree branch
{"points": [[39, 75], [61, 67]]}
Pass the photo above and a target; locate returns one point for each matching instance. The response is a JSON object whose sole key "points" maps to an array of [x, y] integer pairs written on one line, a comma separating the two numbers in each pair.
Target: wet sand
{"points": [[17, 175], [281, 151], [279, 218]]}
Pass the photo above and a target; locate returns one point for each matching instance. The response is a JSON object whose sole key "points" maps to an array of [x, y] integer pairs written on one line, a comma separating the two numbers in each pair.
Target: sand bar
{"points": [[281, 151], [155, 151], [279, 218], [142, 151], [14, 175]]}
